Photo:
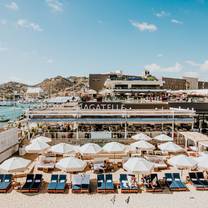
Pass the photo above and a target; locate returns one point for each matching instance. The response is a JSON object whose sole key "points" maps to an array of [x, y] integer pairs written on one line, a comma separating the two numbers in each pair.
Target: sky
{"points": [[45, 38]]}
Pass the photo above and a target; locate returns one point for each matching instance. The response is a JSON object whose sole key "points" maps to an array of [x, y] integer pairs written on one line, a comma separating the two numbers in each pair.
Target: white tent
{"points": [[170, 147], [163, 138], [36, 147], [141, 145], [114, 147], [137, 165], [42, 139], [202, 162], [15, 164], [182, 162], [141, 136], [62, 148], [71, 164], [90, 148]]}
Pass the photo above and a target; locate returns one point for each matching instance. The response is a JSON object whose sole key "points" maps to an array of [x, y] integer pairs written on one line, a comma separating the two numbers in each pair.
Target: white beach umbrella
{"points": [[90, 148], [137, 165], [36, 147], [163, 138], [15, 164], [71, 164], [114, 147], [202, 162], [141, 145], [182, 162], [42, 139], [62, 148], [170, 147], [141, 136]]}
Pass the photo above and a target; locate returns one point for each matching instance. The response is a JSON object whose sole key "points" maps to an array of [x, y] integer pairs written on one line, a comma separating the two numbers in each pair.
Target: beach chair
{"points": [[124, 183], [109, 186], [28, 183], [85, 186], [152, 184], [1, 177], [6, 183], [195, 181], [177, 181], [168, 179], [101, 183], [53, 183], [37, 182], [76, 184], [201, 178], [61, 185]]}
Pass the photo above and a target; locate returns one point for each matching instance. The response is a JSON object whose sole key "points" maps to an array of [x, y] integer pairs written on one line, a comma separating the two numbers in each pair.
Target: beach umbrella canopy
{"points": [[15, 164], [36, 147], [62, 148], [163, 138], [71, 164], [141, 136], [202, 162], [137, 165], [170, 147], [90, 148], [114, 147], [182, 162], [42, 139], [141, 145]]}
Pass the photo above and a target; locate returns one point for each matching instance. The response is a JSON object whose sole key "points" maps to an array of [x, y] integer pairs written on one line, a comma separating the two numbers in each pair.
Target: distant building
{"points": [[202, 85], [174, 83], [97, 81], [34, 92], [192, 83]]}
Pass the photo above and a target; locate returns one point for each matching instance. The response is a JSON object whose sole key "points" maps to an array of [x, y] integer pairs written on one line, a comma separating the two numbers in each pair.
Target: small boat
{"points": [[4, 119]]}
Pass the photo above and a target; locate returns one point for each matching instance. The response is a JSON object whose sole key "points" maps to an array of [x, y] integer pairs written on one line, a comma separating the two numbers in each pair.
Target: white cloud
{"points": [[191, 74], [144, 26], [160, 55], [157, 68], [55, 5], [12, 6], [162, 14], [50, 61], [175, 21], [23, 23], [202, 66], [3, 22], [2, 49]]}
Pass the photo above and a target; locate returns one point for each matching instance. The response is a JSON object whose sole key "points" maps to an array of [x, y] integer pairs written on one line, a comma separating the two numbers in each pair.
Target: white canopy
{"points": [[141, 136], [71, 164], [36, 147], [90, 148], [62, 148], [42, 139], [137, 165], [170, 147], [141, 145], [163, 138], [202, 162], [182, 162], [114, 147], [15, 164]]}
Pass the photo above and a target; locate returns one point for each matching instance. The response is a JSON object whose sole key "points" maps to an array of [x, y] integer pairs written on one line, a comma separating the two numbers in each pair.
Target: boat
{"points": [[4, 119]]}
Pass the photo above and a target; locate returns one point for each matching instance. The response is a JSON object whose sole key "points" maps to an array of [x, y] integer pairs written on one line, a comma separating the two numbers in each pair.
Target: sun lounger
{"points": [[152, 183], [76, 184], [36, 185], [61, 185], [85, 186], [101, 183], [201, 178], [196, 182], [168, 179], [6, 183], [174, 182], [109, 186], [180, 184], [52, 185], [124, 183], [28, 184]]}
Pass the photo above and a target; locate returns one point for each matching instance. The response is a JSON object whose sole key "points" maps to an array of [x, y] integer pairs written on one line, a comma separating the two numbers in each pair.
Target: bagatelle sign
{"points": [[102, 106]]}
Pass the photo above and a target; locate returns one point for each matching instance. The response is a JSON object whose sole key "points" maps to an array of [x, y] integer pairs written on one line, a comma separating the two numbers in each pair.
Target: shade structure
{"points": [[71, 164], [163, 138], [15, 164], [141, 136], [36, 147], [141, 145], [114, 147], [62, 148], [202, 162], [42, 139], [137, 165], [170, 147], [182, 162], [90, 148]]}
